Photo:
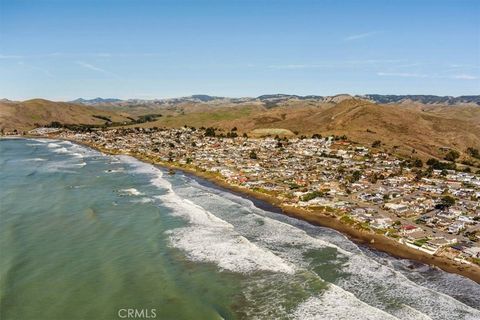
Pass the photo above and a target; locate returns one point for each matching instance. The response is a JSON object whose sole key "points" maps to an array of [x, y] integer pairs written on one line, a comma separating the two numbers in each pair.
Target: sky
{"points": [[145, 49]]}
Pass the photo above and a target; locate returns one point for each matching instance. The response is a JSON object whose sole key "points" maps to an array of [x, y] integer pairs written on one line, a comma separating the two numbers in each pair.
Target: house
{"points": [[456, 227], [406, 229], [474, 252]]}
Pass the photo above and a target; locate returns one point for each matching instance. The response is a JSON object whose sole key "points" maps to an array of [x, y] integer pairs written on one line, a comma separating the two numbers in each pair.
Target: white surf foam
{"points": [[283, 239], [53, 145], [209, 238], [131, 191], [65, 166], [81, 164], [275, 228], [374, 282], [212, 239], [143, 200], [335, 304], [34, 159], [228, 250], [61, 150], [43, 141], [369, 279]]}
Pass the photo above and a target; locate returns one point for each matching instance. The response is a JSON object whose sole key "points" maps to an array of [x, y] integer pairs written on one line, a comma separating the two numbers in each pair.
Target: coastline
{"points": [[369, 238], [380, 242]]}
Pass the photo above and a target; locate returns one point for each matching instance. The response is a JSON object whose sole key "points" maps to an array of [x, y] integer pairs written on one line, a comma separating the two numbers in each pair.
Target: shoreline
{"points": [[371, 239], [379, 243]]}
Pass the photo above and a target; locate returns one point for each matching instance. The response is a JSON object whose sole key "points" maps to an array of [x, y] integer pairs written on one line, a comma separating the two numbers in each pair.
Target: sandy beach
{"points": [[324, 219]]}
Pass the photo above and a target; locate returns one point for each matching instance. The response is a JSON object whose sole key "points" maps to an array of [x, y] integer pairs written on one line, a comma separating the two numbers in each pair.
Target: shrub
{"points": [[452, 155]]}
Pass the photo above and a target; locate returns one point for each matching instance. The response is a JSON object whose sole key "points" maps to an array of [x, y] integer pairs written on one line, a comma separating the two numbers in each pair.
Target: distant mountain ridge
{"points": [[95, 101], [425, 99], [273, 99]]}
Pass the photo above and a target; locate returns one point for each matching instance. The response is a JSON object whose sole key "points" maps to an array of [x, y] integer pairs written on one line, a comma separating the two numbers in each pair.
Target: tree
{"points": [[376, 144], [253, 155], [312, 195], [55, 124], [452, 155], [448, 201], [245, 135], [210, 132], [473, 152], [316, 136], [438, 165], [417, 163], [356, 175]]}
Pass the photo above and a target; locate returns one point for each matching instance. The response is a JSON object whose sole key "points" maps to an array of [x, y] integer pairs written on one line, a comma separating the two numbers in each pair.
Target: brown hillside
{"points": [[425, 129], [27, 114]]}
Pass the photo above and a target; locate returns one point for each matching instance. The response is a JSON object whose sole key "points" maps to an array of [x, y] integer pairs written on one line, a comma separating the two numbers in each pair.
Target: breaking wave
{"points": [[209, 238]]}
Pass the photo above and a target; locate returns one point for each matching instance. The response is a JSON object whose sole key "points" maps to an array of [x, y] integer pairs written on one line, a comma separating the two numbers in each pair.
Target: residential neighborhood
{"points": [[434, 211]]}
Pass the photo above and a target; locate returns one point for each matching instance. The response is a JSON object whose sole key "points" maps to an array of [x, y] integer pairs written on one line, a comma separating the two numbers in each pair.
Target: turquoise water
{"points": [[85, 235]]}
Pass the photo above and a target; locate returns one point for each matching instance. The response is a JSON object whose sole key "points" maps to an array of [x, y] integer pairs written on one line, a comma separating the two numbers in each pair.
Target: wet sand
{"points": [[324, 219]]}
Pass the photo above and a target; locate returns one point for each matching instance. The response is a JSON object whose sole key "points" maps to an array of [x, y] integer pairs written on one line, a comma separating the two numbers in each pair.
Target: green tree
{"points": [[452, 155], [376, 144], [356, 175], [448, 201], [210, 132], [417, 163], [473, 152]]}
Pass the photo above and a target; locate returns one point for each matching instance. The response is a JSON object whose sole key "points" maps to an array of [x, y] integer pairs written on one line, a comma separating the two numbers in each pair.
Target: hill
{"points": [[429, 129], [29, 114], [272, 100], [425, 99]]}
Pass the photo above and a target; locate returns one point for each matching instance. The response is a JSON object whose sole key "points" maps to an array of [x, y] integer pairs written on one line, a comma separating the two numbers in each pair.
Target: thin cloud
{"points": [[91, 67], [402, 75], [464, 77], [83, 55], [295, 66], [338, 64], [3, 56], [95, 68], [360, 36], [431, 76]]}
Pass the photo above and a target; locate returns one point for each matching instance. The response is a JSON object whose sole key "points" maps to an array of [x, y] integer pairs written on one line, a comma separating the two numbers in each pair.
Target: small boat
{"points": [[171, 171]]}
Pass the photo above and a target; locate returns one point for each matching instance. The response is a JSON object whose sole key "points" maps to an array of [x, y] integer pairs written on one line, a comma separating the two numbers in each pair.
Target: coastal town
{"points": [[421, 205]]}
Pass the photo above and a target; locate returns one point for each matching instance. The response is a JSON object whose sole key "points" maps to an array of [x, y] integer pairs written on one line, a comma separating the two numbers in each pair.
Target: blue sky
{"points": [[65, 49]]}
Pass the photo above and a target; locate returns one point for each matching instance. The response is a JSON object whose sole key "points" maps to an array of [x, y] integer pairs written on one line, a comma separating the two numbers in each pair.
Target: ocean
{"points": [[84, 235]]}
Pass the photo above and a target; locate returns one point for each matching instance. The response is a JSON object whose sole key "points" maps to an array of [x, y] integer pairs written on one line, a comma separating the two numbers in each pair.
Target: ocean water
{"points": [[85, 235]]}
